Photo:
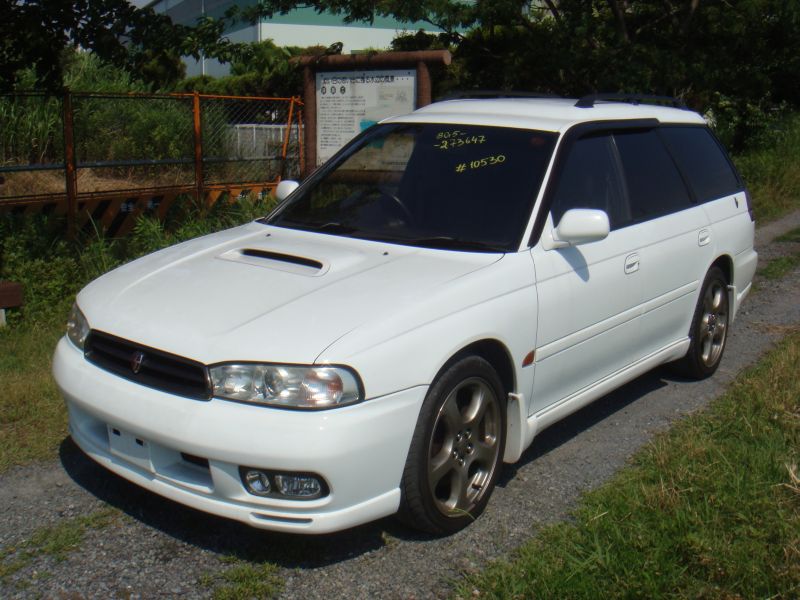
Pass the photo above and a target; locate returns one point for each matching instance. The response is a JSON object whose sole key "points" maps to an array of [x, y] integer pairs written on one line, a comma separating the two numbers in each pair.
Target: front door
{"points": [[589, 295]]}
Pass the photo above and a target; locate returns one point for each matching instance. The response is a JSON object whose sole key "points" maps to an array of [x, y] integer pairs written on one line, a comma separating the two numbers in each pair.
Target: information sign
{"points": [[350, 101]]}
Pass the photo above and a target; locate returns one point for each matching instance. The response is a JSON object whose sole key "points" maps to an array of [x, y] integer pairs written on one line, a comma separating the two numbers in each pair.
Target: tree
{"points": [[34, 33], [738, 59]]}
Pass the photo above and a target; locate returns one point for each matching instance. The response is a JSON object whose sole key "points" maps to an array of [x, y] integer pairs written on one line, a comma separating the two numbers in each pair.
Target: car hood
{"points": [[258, 292]]}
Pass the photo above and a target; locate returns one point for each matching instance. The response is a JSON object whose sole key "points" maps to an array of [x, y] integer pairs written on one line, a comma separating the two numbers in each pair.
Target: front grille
{"points": [[148, 366]]}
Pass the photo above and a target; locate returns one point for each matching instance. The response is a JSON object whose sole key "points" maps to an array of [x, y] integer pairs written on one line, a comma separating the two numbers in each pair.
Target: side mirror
{"points": [[285, 187], [582, 226]]}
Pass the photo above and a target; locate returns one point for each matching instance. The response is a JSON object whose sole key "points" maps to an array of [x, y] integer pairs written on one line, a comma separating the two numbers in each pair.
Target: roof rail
{"points": [[589, 100], [466, 94]]}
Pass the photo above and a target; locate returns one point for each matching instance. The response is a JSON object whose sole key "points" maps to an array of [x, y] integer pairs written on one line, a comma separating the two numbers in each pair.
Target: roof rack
{"points": [[466, 94], [589, 100]]}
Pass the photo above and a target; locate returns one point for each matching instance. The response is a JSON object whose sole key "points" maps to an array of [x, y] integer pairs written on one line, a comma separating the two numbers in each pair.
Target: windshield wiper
{"points": [[447, 242], [329, 227]]}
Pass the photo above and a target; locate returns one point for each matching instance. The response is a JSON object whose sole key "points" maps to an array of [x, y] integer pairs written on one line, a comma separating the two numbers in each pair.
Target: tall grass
{"points": [[772, 172], [31, 127], [30, 130]]}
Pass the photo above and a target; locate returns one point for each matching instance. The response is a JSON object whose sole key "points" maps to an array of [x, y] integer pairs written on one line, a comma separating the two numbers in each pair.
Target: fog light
{"points": [[257, 482], [298, 486]]}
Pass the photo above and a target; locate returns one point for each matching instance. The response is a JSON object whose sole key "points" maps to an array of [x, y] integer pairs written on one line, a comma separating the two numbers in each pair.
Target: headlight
{"points": [[287, 385], [77, 326]]}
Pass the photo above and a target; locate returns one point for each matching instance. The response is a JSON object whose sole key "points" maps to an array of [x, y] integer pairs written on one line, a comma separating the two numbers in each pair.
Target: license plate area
{"points": [[129, 448]]}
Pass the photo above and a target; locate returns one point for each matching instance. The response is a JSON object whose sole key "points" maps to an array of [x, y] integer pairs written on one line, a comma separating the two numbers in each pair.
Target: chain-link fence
{"points": [[243, 139], [80, 153], [31, 146]]}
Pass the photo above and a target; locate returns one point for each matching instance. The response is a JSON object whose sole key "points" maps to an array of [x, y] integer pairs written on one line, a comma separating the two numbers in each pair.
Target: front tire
{"points": [[709, 330], [457, 448]]}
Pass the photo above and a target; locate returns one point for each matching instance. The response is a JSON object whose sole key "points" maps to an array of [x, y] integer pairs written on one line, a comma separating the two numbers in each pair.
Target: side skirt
{"points": [[527, 427]]}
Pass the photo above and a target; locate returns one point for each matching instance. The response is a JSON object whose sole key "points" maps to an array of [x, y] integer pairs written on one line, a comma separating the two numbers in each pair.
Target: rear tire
{"points": [[457, 449], [709, 330]]}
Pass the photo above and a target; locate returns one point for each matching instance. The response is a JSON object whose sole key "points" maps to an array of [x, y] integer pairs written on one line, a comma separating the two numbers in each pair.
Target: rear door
{"points": [[675, 248], [717, 187]]}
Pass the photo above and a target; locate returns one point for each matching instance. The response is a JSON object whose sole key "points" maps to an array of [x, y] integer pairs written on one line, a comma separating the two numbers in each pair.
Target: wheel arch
{"points": [[495, 353], [725, 263]]}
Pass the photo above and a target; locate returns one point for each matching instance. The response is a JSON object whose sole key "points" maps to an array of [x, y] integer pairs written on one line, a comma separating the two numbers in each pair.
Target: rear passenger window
{"points": [[591, 179], [655, 186], [702, 161]]}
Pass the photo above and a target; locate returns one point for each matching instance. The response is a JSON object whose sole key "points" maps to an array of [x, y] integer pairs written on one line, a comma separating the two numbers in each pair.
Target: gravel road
{"points": [[156, 548]]}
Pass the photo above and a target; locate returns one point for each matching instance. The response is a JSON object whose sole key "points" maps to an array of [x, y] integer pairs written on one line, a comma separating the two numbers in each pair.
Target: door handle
{"points": [[631, 263], [704, 237]]}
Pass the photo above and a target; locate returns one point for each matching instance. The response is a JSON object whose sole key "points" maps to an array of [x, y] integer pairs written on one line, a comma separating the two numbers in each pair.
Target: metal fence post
{"points": [[286, 139], [310, 110], [198, 149], [70, 174], [301, 156]]}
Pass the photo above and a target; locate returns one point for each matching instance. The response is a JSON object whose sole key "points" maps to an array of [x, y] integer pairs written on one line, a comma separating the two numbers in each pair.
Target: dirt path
{"points": [[149, 547]]}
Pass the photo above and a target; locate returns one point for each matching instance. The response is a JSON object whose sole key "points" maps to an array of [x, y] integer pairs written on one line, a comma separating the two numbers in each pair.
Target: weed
{"points": [[789, 237], [779, 267], [32, 414], [245, 581], [774, 181]]}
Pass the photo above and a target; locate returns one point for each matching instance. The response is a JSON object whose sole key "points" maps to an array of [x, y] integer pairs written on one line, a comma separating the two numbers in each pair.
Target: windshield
{"points": [[459, 187]]}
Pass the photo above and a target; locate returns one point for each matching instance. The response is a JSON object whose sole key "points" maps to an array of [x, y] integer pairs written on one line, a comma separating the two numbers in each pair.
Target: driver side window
{"points": [[591, 179]]}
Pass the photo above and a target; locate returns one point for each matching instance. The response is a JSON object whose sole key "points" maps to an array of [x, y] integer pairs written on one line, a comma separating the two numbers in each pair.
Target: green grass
{"points": [[779, 267], [244, 581], [782, 265], [773, 174], [790, 237], [710, 509], [32, 414], [56, 541]]}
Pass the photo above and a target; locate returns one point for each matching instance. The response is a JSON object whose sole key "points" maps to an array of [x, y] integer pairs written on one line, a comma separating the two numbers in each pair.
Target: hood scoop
{"points": [[291, 263]]}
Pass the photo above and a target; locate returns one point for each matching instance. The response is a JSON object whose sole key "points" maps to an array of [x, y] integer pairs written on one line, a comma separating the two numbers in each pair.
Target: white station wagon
{"points": [[452, 282]]}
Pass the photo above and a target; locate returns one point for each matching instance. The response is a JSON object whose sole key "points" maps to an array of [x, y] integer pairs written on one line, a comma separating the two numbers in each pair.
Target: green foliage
{"points": [[106, 129], [34, 34], [719, 59], [738, 60], [244, 581], [790, 237], [262, 57], [29, 130], [161, 69], [33, 253], [260, 69], [773, 181]]}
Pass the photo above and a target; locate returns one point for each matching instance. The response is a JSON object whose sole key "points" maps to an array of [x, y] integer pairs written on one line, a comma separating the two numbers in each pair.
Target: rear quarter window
{"points": [[703, 162]]}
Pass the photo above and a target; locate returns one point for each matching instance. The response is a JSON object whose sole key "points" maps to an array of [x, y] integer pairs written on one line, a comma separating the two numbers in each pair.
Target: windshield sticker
{"points": [[497, 159], [448, 140]]}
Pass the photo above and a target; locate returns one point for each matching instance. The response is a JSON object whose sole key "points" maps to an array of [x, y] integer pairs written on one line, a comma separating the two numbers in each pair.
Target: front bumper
{"points": [[359, 450]]}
